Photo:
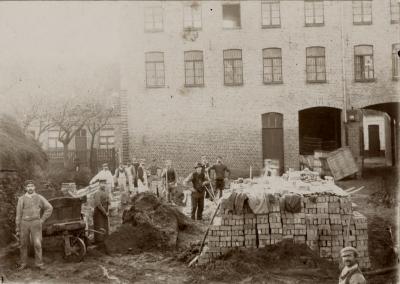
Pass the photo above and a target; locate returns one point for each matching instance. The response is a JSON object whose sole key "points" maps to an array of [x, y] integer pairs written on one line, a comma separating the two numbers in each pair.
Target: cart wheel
{"points": [[78, 249]]}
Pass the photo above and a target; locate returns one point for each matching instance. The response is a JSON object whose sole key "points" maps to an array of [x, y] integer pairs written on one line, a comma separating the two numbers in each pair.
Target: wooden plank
{"points": [[341, 163]]}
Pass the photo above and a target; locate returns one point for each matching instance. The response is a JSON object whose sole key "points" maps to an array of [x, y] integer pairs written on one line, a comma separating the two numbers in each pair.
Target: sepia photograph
{"points": [[200, 141]]}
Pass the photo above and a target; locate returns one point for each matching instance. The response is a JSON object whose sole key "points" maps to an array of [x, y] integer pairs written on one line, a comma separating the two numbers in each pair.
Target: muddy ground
{"points": [[279, 265]]}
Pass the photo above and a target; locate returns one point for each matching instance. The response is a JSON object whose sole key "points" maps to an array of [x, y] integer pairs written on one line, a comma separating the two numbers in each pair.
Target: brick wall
{"points": [[182, 123]]}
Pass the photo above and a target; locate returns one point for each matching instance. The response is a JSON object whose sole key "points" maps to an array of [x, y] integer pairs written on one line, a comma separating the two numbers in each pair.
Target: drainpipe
{"points": [[344, 94]]}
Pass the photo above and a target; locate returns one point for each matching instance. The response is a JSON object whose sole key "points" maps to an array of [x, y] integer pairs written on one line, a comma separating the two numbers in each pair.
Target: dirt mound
{"points": [[149, 223], [285, 256], [387, 196]]}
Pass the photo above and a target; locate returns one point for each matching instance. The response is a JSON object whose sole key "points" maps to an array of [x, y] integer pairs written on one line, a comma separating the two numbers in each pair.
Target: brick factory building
{"points": [[255, 80]]}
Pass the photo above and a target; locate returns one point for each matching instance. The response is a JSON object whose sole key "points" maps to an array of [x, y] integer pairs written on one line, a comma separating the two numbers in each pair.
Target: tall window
{"points": [[233, 67], [155, 73], [272, 62], [153, 19], [316, 71], [107, 138], [231, 16], [314, 12], [362, 12], [53, 141], [394, 11], [270, 14], [363, 63], [395, 60], [192, 17], [194, 69]]}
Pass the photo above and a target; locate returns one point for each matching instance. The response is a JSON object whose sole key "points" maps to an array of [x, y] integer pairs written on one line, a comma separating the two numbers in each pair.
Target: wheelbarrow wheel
{"points": [[78, 249]]}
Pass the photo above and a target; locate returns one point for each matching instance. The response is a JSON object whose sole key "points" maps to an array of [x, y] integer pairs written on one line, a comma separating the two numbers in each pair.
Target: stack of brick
{"points": [[326, 223]]}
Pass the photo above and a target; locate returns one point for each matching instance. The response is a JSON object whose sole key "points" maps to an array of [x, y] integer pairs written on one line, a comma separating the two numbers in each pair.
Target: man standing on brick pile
{"points": [[199, 182], [351, 273], [169, 180], [105, 174], [154, 177], [29, 223], [220, 170], [100, 214]]}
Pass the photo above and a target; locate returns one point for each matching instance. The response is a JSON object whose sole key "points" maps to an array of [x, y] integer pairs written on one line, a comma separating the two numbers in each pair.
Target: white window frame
{"points": [[192, 17], [315, 6], [272, 63], [195, 67], [155, 68], [150, 19], [269, 9], [364, 6], [362, 66]]}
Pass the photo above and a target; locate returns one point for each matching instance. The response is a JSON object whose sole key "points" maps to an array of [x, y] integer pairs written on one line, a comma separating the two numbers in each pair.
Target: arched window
{"points": [[316, 70], [233, 67], [155, 71], [272, 65], [364, 63]]}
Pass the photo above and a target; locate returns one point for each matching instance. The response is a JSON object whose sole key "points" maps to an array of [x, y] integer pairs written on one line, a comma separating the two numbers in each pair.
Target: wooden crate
{"points": [[341, 163]]}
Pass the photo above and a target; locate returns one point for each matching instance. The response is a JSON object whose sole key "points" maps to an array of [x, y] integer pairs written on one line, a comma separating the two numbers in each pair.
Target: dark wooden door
{"points": [[374, 144], [272, 137], [81, 147]]}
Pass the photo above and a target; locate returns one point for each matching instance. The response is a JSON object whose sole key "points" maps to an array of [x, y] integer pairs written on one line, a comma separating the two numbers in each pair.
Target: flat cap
{"points": [[105, 165], [348, 249], [29, 181], [198, 165]]}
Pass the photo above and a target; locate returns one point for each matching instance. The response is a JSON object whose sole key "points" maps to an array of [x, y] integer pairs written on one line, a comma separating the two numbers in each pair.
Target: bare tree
{"points": [[69, 120], [101, 115]]}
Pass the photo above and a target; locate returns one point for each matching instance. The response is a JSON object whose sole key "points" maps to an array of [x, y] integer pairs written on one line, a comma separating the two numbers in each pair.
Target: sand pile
{"points": [[150, 224]]}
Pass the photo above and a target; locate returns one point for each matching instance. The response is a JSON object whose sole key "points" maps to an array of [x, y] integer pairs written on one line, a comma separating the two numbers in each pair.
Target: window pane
{"points": [[272, 52], [232, 53], [315, 51], [363, 50]]}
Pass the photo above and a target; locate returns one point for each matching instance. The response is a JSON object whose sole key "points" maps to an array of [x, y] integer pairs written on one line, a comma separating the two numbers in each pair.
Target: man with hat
{"points": [[104, 174], [220, 170], [29, 222], [100, 214], [199, 181], [169, 180], [351, 273]]}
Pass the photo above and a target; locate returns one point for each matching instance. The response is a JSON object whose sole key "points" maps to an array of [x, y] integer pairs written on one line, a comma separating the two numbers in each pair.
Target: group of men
{"points": [[33, 210]]}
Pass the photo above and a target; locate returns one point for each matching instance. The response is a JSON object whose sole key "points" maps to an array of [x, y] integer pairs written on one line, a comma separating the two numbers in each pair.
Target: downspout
{"points": [[344, 94]]}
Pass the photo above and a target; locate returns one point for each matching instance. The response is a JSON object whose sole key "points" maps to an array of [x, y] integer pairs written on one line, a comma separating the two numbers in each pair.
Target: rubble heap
{"points": [[324, 221]]}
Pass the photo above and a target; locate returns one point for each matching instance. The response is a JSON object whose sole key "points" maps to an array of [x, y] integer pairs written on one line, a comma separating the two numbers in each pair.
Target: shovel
{"points": [[194, 260]]}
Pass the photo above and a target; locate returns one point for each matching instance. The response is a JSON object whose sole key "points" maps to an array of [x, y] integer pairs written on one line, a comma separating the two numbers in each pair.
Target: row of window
{"points": [[272, 66], [270, 14], [106, 139]]}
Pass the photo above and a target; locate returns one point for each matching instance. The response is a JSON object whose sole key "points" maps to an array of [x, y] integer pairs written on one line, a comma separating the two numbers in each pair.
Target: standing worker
{"points": [[169, 180], [100, 214], [131, 174], [204, 169], [142, 176], [220, 170], [199, 181], [135, 165], [351, 273], [121, 176], [29, 223], [105, 174]]}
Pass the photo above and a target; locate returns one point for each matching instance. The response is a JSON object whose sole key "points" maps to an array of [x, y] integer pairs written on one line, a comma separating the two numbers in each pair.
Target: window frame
{"points": [[155, 70], [270, 3], [153, 29], [59, 145], [194, 72], [394, 21], [315, 65], [192, 27], [233, 68], [362, 13], [314, 24], [107, 138], [281, 72], [240, 16], [362, 66], [395, 62]]}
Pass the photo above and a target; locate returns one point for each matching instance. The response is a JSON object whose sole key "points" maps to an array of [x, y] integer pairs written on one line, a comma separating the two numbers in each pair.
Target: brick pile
{"points": [[326, 223]]}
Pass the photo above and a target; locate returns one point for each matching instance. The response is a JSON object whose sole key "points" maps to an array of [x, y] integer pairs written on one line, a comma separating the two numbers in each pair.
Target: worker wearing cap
{"points": [[29, 222], [199, 181], [169, 180], [100, 213], [220, 170], [351, 273], [105, 174]]}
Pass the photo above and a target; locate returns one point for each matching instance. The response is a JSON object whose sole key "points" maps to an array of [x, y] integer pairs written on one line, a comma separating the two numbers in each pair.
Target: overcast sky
{"points": [[51, 45]]}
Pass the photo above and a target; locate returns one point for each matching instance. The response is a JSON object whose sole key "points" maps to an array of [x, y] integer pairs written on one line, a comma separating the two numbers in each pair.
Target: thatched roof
{"points": [[17, 151]]}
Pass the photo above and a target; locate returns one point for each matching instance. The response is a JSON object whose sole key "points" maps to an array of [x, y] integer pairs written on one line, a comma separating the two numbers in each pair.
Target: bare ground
{"points": [[171, 266]]}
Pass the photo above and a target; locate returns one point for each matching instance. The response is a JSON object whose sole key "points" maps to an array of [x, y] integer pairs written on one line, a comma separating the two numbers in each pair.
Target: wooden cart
{"points": [[67, 221]]}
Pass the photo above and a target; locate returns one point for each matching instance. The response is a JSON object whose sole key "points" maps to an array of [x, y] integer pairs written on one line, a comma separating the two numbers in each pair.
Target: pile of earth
{"points": [[150, 224], [268, 263]]}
